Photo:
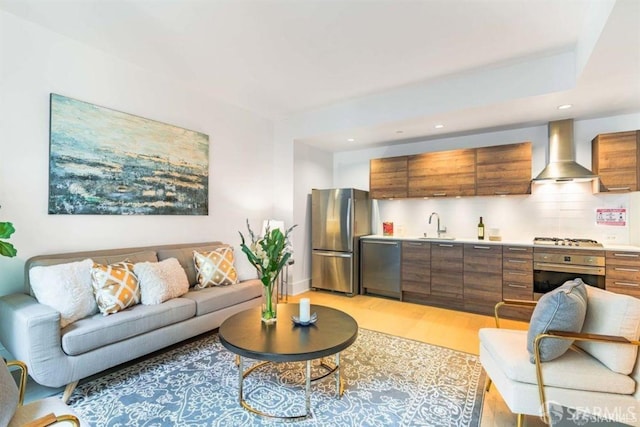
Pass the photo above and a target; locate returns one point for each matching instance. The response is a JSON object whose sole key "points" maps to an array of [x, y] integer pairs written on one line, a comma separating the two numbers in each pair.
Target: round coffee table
{"points": [[245, 335]]}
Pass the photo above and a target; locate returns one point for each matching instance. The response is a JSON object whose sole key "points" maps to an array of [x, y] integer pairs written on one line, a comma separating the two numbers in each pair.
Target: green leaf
{"points": [[7, 249], [6, 230]]}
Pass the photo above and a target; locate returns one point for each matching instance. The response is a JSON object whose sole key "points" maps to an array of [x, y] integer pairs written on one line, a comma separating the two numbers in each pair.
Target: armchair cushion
{"points": [[38, 409], [612, 314], [562, 309], [575, 369]]}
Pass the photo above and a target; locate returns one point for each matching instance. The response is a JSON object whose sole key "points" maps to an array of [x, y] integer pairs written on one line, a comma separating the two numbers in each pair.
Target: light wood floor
{"points": [[446, 328]]}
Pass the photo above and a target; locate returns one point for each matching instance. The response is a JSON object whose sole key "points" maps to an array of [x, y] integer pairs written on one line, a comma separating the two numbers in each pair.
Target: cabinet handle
{"points": [[634, 270], [439, 194], [415, 244], [517, 261], [517, 249], [627, 255], [515, 273], [512, 285], [481, 247], [444, 245], [501, 193], [633, 285], [619, 188]]}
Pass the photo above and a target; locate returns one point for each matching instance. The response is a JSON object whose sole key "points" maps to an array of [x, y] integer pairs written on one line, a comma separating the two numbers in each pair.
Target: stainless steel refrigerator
{"points": [[338, 218]]}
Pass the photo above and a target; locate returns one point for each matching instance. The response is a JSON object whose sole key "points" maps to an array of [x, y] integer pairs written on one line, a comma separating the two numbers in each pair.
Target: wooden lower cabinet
{"points": [[517, 279], [482, 277], [416, 271], [623, 272], [447, 278]]}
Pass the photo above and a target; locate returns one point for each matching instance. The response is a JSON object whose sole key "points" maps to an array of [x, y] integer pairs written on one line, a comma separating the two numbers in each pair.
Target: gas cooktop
{"points": [[558, 241]]}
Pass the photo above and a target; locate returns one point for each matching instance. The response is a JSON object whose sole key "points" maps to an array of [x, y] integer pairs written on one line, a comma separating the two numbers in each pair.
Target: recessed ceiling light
{"points": [[439, 126], [564, 106], [351, 139], [399, 131]]}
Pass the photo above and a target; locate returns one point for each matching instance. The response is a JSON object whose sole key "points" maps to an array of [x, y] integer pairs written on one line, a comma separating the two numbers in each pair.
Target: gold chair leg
{"points": [[520, 420], [488, 385]]}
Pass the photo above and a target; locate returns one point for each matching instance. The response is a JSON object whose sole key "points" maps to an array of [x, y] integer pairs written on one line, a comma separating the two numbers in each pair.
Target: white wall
{"points": [[313, 169], [35, 62]]}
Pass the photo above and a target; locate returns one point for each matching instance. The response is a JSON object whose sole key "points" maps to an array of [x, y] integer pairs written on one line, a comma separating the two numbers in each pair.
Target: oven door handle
{"points": [[566, 268]]}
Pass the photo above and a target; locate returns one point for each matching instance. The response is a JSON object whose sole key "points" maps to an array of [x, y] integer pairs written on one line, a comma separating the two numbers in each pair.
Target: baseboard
{"points": [[300, 287]]}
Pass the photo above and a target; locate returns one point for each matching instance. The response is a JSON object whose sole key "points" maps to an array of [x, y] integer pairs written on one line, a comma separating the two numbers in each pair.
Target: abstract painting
{"points": [[105, 162]]}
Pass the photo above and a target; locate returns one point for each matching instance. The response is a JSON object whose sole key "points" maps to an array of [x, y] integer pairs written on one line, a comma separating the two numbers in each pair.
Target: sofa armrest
{"points": [[30, 331], [512, 303]]}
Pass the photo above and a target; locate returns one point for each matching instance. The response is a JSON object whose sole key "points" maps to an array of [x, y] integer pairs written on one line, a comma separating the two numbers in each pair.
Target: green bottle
{"points": [[480, 230]]}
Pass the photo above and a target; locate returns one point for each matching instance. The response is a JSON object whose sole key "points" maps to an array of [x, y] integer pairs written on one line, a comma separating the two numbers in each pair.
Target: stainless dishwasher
{"points": [[380, 267]]}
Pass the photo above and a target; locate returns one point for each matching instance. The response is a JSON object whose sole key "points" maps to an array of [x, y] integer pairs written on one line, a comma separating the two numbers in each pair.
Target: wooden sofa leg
{"points": [[520, 420], [68, 391], [488, 385]]}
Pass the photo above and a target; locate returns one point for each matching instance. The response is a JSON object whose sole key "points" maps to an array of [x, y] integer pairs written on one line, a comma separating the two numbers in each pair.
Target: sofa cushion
{"points": [[115, 286], [66, 288], [612, 314], [215, 268], [574, 369], [98, 331], [185, 257], [161, 281], [215, 298], [562, 309]]}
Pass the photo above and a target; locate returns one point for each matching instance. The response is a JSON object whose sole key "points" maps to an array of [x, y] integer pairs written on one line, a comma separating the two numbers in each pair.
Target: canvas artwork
{"points": [[107, 162]]}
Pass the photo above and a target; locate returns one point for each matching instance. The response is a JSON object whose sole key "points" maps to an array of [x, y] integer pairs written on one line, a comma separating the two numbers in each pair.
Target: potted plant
{"points": [[268, 254]]}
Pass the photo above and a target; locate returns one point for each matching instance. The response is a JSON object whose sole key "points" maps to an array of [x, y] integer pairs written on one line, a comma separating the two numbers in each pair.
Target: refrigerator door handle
{"points": [[332, 254]]}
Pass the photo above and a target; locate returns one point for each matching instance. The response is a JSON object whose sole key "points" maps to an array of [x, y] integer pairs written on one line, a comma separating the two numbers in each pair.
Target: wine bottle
{"points": [[480, 230]]}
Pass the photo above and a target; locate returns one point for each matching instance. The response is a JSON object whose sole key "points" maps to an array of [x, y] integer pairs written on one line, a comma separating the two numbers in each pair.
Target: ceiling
{"points": [[310, 58]]}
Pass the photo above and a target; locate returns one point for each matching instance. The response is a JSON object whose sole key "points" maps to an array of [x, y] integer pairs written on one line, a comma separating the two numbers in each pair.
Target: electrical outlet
{"points": [[610, 238]]}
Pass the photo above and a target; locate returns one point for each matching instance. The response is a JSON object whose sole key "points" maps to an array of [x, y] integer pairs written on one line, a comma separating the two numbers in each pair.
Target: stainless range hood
{"points": [[562, 165]]}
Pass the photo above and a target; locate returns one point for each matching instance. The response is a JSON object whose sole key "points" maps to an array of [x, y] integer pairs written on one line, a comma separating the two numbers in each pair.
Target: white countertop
{"points": [[628, 248]]}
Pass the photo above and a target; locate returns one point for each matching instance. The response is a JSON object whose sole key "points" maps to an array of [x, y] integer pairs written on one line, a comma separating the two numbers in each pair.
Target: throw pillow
{"points": [[115, 286], [161, 281], [612, 314], [66, 288], [215, 268], [562, 309]]}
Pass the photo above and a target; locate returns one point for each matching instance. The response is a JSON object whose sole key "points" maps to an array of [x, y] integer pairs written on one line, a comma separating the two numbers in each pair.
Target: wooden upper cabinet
{"points": [[503, 169], [443, 174], [388, 178], [615, 158]]}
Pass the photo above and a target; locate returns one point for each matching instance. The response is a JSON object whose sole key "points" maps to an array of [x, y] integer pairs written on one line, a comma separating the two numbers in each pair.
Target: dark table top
{"points": [[245, 334]]}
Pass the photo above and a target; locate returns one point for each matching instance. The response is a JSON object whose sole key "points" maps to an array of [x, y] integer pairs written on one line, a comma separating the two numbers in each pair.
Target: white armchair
{"points": [[597, 378], [38, 413]]}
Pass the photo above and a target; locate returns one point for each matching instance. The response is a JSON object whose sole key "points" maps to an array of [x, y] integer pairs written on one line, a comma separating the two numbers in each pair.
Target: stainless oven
{"points": [[554, 266]]}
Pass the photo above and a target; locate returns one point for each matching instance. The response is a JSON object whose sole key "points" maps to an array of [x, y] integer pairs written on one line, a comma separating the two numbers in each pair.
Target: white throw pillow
{"points": [[609, 313], [66, 288], [161, 281]]}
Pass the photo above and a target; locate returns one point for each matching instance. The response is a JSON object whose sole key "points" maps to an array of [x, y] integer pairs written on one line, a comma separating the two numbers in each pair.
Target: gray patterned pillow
{"points": [[562, 309]]}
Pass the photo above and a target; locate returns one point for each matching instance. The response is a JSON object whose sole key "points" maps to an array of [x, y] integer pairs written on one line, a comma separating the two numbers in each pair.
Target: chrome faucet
{"points": [[440, 231]]}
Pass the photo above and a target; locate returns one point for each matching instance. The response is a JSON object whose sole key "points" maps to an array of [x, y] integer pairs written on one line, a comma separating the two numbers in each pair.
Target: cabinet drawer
{"points": [[517, 264], [625, 273], [623, 287], [525, 277], [482, 250], [515, 290], [521, 252], [622, 258]]}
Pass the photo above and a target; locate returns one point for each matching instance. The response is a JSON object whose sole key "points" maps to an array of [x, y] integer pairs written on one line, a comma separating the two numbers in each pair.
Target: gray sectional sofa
{"points": [[61, 357]]}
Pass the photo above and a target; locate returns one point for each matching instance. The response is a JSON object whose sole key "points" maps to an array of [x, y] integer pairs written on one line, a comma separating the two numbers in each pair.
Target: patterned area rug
{"points": [[389, 381]]}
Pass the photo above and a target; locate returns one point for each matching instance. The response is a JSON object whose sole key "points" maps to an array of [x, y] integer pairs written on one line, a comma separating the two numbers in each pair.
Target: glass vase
{"points": [[270, 303]]}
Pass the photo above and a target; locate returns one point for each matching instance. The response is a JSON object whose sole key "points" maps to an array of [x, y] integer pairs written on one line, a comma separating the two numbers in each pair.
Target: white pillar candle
{"points": [[305, 309]]}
